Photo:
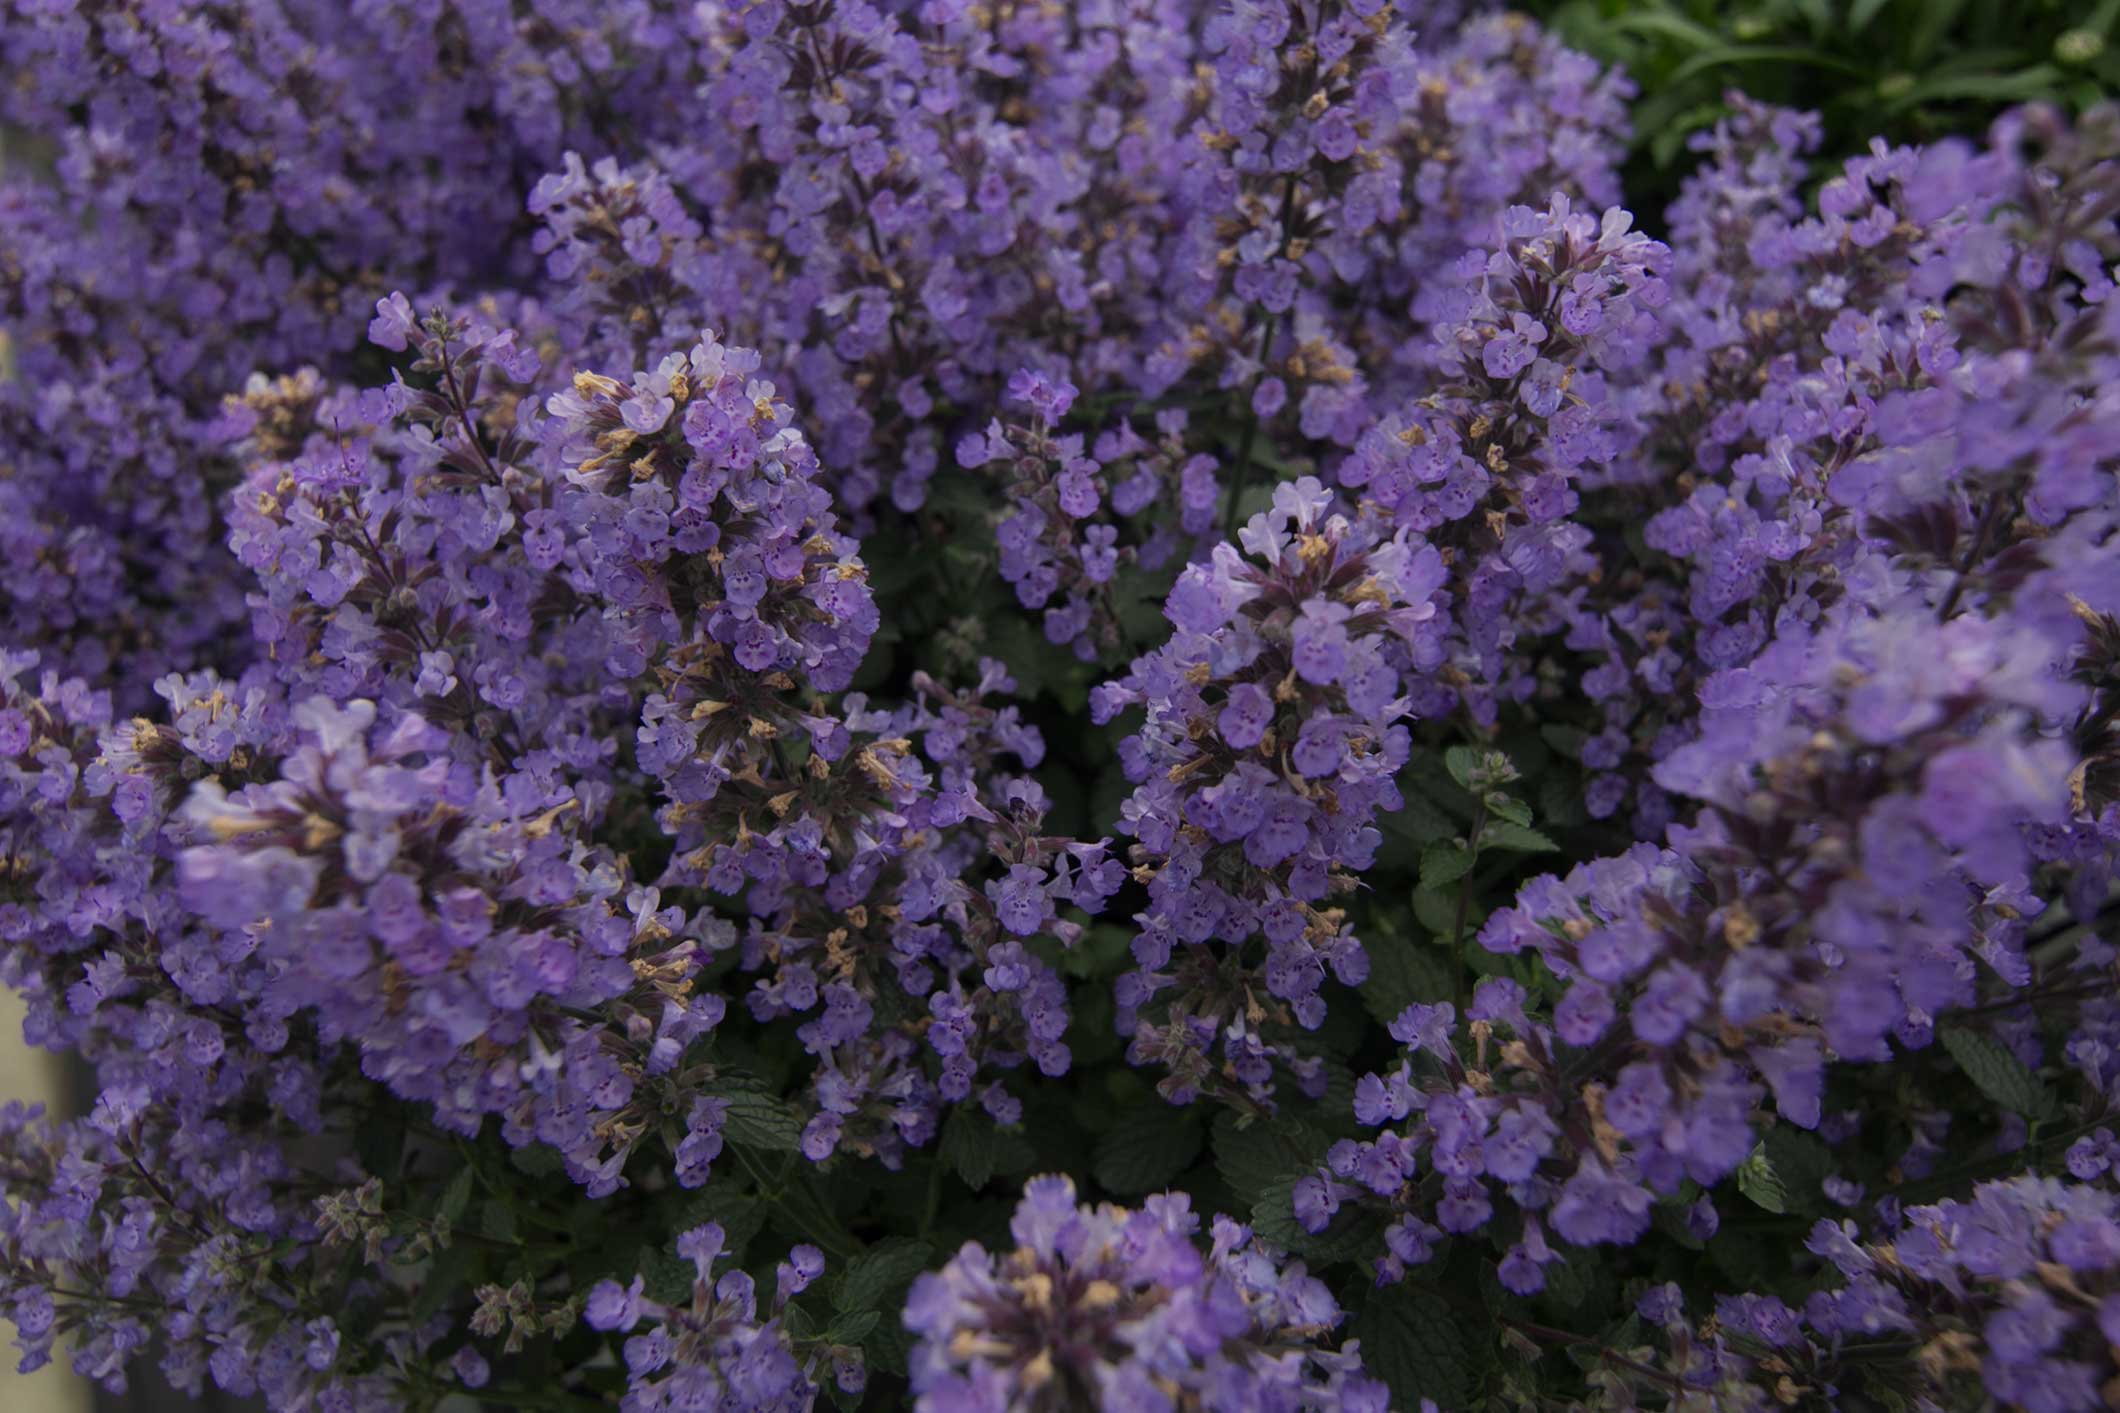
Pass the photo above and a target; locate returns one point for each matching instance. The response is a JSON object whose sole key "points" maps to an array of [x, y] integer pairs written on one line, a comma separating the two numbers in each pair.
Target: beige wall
{"points": [[30, 1075]]}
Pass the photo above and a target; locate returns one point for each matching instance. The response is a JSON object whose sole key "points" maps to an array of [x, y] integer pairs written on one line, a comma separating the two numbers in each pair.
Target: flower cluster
{"points": [[205, 191], [1274, 724], [451, 924], [1067, 500], [1106, 1307], [2008, 1294], [712, 1351]]}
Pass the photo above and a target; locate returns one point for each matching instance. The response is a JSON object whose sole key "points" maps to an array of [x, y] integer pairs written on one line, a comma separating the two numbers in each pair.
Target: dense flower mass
{"points": [[1112, 1308], [2009, 1294], [725, 628]]}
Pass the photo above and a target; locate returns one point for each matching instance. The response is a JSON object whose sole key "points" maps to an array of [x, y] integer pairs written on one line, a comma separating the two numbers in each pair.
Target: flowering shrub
{"points": [[1130, 693]]}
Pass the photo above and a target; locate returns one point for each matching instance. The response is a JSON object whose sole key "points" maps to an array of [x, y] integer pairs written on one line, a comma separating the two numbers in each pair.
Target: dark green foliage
{"points": [[1911, 70]]}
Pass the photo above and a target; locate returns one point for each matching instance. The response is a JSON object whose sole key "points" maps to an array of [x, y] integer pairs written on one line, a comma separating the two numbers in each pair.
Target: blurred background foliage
{"points": [[1910, 70]]}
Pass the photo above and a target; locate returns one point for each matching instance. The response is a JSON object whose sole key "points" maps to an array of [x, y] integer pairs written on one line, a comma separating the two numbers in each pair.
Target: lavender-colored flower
{"points": [[1123, 1309], [1274, 725], [713, 1350]]}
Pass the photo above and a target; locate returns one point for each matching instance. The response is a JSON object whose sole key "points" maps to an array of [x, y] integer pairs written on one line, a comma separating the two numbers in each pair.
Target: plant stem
{"points": [[1242, 471], [1464, 904]]}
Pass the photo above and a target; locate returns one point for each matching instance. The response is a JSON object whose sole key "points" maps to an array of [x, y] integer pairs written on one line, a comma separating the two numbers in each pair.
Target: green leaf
{"points": [[1421, 821], [1998, 1074], [1273, 1217], [456, 1198], [887, 1348], [1516, 839], [538, 1160], [1244, 1157], [1251, 1157], [1435, 911], [1937, 19], [1443, 865], [1565, 740], [1461, 762], [665, 1276], [1146, 1148], [1508, 809], [759, 1119], [1400, 974], [1730, 54], [1757, 1180], [497, 1220], [450, 1271], [875, 1278], [1861, 13], [737, 1213], [1412, 1340], [1560, 800], [853, 1327], [1801, 1164], [1669, 26], [976, 1149], [1576, 1277], [2033, 81]]}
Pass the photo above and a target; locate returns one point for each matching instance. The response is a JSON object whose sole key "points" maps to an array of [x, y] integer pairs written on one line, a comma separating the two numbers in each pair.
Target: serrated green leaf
{"points": [[852, 1327], [1461, 762], [665, 1276], [887, 1347], [760, 1120], [1443, 865], [456, 1198], [875, 1278], [1273, 1213], [1998, 1074], [1507, 809], [738, 1214], [1671, 1222], [1146, 1148], [968, 1148], [1400, 974], [497, 1221], [1802, 1163], [1576, 1277], [1251, 1156], [976, 1149], [1516, 839], [1273, 1216], [1245, 1157], [1435, 911], [536, 1160], [1757, 1180], [1411, 1339], [1421, 821]]}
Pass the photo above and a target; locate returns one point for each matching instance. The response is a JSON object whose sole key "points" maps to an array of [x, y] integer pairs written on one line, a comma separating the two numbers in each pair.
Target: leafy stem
{"points": [[1464, 902]]}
